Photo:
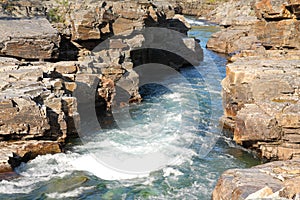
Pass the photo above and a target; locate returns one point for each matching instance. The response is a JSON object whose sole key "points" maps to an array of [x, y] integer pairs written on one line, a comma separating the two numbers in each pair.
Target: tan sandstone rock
{"points": [[28, 38], [276, 180]]}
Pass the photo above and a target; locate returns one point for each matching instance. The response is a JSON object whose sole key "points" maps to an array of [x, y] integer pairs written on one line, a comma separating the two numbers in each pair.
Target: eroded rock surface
{"points": [[13, 153], [270, 24], [42, 103], [28, 38], [261, 88], [276, 180], [261, 97]]}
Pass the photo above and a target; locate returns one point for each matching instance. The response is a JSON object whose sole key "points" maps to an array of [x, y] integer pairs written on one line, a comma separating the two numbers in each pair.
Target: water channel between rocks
{"points": [[74, 175]]}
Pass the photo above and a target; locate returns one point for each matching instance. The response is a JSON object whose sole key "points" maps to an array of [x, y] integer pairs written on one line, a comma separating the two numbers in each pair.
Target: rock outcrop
{"points": [[261, 88], [14, 153], [261, 101], [261, 96], [275, 180], [35, 109], [28, 38], [269, 24], [50, 77]]}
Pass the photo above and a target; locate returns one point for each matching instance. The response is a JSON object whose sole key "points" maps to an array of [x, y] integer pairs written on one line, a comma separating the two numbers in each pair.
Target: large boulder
{"points": [[275, 180], [28, 38]]}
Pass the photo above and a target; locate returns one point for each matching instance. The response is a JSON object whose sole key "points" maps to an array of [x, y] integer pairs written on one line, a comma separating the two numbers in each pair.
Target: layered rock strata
{"points": [[275, 180], [270, 24], [261, 88], [28, 38], [261, 95], [261, 102], [43, 103]]}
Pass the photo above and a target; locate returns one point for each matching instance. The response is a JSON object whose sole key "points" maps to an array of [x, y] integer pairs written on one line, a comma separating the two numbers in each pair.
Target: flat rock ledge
{"points": [[276, 180], [28, 38]]}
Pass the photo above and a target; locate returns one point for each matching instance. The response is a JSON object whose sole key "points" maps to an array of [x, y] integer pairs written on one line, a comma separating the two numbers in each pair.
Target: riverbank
{"points": [[46, 64], [261, 94]]}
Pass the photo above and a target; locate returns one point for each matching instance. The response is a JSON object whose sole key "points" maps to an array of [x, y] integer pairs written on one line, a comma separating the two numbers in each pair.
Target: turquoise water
{"points": [[201, 151]]}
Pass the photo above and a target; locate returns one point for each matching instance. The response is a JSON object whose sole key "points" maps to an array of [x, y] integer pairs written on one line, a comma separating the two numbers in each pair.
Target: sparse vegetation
{"points": [[214, 1], [58, 14]]}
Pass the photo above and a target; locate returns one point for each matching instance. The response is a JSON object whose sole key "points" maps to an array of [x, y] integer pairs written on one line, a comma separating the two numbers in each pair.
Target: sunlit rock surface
{"points": [[275, 180]]}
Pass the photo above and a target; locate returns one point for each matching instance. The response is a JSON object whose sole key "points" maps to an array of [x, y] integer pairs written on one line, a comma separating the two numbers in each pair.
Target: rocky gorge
{"points": [[45, 67], [48, 55], [261, 95]]}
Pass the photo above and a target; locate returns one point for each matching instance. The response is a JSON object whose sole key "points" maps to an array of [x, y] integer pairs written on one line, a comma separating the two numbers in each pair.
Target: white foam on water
{"points": [[74, 193], [95, 162], [139, 149], [41, 169], [171, 171], [90, 164], [9, 187], [195, 22]]}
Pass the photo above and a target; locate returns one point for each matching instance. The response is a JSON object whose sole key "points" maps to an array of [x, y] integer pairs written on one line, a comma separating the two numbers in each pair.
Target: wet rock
{"points": [[16, 160], [14, 153], [28, 38]]}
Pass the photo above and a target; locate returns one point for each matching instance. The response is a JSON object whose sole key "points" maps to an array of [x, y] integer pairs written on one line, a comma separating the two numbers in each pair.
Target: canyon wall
{"points": [[261, 95], [261, 88], [60, 58]]}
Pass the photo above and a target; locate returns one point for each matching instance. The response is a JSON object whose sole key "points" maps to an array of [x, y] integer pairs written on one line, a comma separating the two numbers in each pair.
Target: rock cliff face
{"points": [[261, 95], [50, 73], [261, 88], [270, 24]]}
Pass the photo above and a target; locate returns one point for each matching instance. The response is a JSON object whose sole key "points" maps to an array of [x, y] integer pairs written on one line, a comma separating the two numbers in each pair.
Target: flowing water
{"points": [[178, 120]]}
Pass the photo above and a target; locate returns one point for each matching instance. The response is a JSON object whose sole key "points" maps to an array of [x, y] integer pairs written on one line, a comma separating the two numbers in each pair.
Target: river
{"points": [[204, 155]]}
